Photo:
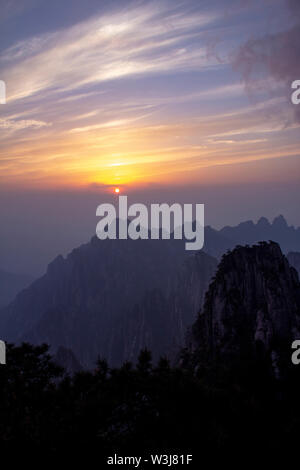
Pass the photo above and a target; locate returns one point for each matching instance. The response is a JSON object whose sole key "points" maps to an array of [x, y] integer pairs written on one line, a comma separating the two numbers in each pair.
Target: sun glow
{"points": [[117, 190]]}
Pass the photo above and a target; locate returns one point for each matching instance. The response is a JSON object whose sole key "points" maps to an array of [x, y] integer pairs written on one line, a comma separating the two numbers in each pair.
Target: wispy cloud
{"points": [[138, 41], [134, 96], [16, 125], [105, 125]]}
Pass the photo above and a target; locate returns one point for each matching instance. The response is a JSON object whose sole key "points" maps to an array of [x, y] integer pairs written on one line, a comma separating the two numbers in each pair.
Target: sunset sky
{"points": [[138, 92], [151, 94]]}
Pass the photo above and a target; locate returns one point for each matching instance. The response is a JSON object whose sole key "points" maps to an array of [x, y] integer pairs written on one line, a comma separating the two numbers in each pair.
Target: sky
{"points": [[183, 101]]}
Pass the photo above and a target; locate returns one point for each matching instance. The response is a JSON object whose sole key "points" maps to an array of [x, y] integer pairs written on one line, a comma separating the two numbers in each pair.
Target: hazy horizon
{"points": [[37, 226]]}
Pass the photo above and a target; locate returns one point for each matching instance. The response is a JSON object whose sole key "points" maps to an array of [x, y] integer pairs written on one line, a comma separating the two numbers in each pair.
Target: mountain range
{"points": [[249, 233], [112, 298]]}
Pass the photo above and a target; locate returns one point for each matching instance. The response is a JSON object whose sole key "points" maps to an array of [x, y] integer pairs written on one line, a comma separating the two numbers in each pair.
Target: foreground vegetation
{"points": [[226, 411]]}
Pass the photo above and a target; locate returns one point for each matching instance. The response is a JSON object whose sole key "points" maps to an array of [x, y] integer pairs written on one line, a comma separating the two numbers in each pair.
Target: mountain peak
{"points": [[263, 222], [253, 302], [280, 222]]}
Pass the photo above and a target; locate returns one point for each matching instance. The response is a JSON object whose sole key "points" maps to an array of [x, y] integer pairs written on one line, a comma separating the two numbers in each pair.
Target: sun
{"points": [[117, 190]]}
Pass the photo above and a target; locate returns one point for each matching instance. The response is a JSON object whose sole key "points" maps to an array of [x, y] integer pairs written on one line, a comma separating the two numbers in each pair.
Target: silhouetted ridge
{"points": [[111, 298], [11, 284], [280, 222], [249, 233], [253, 304]]}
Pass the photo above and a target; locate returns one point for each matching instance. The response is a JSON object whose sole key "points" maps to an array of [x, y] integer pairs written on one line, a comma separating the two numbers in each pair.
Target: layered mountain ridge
{"points": [[248, 233], [111, 298]]}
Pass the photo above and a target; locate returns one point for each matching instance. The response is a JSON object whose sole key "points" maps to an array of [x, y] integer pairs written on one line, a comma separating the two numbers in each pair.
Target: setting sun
{"points": [[117, 190]]}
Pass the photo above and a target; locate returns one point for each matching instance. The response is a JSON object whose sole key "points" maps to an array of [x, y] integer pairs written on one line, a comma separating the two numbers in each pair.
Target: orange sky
{"points": [[120, 98]]}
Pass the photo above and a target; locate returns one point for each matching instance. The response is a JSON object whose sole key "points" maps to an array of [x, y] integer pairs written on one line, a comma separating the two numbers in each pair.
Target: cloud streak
{"points": [[108, 47], [133, 96], [16, 125]]}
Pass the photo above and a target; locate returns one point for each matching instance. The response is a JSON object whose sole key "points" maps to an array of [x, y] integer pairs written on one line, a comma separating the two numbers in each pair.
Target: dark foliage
{"points": [[221, 412]]}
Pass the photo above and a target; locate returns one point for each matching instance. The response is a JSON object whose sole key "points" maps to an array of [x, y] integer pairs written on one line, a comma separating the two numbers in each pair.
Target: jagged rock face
{"points": [[254, 300], [107, 298], [294, 260], [161, 319]]}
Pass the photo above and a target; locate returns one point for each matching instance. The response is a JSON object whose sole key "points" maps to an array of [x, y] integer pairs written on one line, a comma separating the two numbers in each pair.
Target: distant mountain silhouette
{"points": [[252, 307], [159, 321], [215, 243], [248, 233], [111, 298], [11, 284]]}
